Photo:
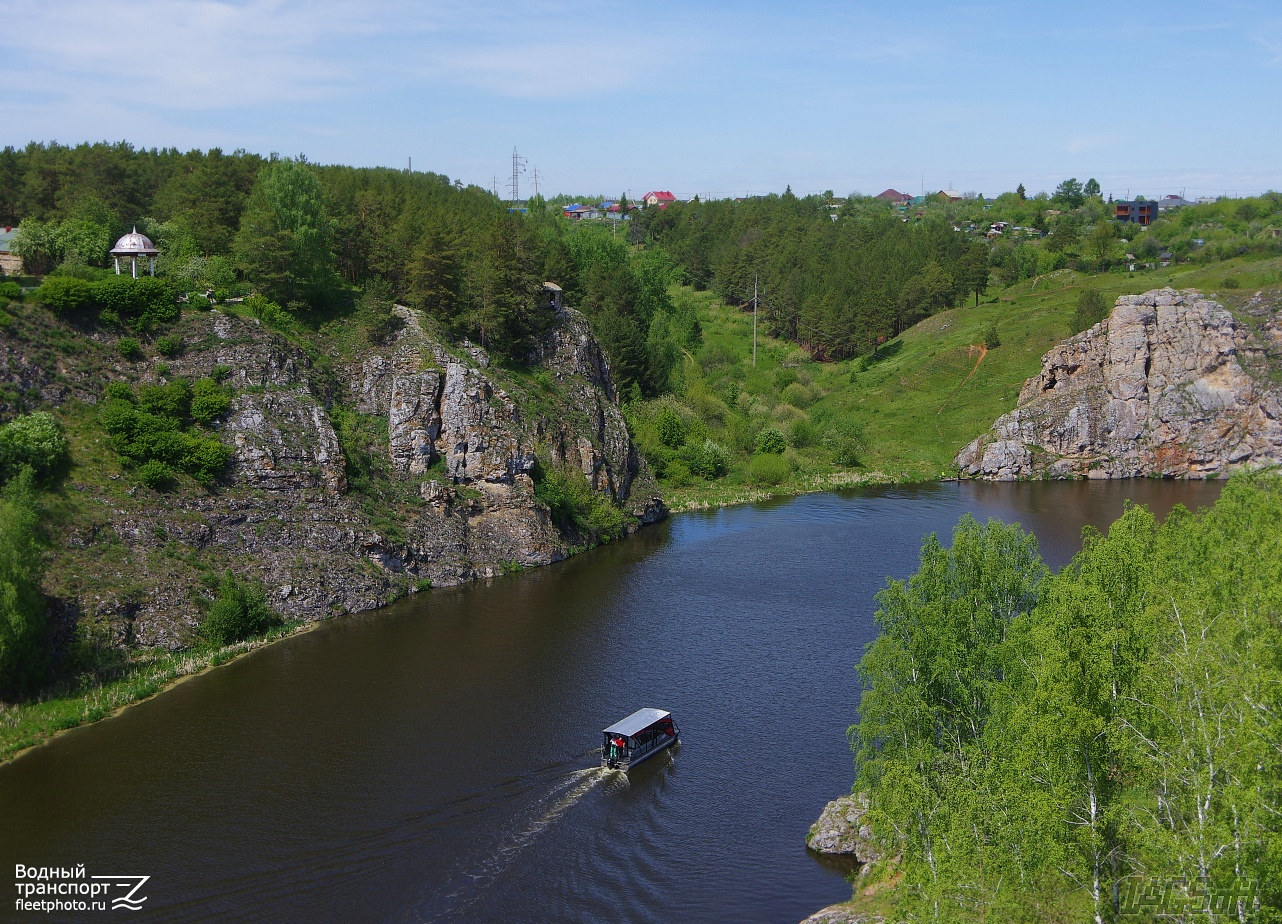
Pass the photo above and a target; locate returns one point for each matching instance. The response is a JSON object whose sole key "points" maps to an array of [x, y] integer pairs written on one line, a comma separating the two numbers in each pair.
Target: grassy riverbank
{"points": [[899, 415], [28, 724]]}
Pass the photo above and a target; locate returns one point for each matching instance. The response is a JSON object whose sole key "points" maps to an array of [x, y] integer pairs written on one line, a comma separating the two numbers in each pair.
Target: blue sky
{"points": [[698, 97]]}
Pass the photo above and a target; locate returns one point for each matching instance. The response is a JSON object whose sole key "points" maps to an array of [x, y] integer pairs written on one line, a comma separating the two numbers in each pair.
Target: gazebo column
{"points": [[117, 259]]}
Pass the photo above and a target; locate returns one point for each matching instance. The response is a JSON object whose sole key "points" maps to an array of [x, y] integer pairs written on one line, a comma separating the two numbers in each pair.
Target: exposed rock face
{"points": [[1171, 384], [460, 503], [841, 830]]}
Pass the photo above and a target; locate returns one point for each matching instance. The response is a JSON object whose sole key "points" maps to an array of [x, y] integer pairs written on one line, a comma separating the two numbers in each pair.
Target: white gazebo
{"points": [[132, 246]]}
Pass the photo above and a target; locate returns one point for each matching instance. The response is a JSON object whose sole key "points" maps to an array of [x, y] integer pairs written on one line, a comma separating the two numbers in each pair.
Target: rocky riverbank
{"points": [[1172, 384], [452, 445]]}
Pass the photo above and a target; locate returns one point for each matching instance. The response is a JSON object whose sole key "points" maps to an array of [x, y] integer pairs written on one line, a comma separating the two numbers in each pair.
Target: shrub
{"points": [[802, 434], [34, 440], [798, 395], [708, 460], [152, 425], [24, 638], [1232, 282], [677, 474], [64, 293], [239, 612], [199, 302], [575, 508], [208, 402], [991, 338], [846, 443], [771, 442], [1091, 308], [156, 475], [669, 427], [270, 313], [768, 469], [170, 345], [129, 348], [10, 290], [784, 378]]}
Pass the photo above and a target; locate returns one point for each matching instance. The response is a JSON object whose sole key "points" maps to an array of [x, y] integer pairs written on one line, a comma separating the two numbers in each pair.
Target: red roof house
{"points": [[658, 197]]}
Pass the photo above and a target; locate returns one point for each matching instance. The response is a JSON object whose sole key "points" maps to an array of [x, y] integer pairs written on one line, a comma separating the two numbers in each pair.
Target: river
{"points": [[433, 761]]}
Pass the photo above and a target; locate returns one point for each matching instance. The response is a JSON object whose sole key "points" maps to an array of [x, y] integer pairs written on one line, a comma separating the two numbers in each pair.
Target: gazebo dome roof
{"points": [[134, 244]]}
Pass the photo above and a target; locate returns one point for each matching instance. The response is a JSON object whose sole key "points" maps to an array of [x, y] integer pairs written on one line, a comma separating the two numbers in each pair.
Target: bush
{"points": [[846, 443], [768, 469], [991, 338], [677, 474], [1232, 282], [34, 440], [64, 293], [785, 377], [208, 402], [10, 290], [802, 434], [170, 345], [708, 460], [771, 441], [152, 426], [575, 508], [669, 427], [239, 612], [1091, 308], [129, 348], [156, 475], [798, 395], [145, 303], [270, 313], [24, 638]]}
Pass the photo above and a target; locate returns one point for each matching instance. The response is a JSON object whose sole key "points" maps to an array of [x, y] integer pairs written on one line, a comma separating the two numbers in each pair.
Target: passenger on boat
{"points": [[617, 744]]}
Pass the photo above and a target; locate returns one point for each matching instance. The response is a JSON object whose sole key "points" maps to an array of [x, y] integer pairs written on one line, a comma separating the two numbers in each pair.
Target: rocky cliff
{"points": [[448, 448], [1171, 384]]}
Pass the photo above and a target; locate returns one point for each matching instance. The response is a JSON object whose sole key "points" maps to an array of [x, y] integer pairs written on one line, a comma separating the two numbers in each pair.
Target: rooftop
{"points": [[638, 722]]}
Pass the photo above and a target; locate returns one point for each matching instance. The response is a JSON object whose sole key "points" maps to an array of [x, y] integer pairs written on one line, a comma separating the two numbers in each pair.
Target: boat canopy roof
{"points": [[638, 722]]}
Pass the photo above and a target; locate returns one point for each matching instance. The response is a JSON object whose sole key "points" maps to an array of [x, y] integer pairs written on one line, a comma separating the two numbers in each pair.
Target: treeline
{"points": [[1082, 745], [837, 287], [312, 239]]}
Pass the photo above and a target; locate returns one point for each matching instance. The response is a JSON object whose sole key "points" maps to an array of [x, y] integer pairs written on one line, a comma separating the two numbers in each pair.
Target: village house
{"points": [[1141, 213], [10, 262], [660, 197]]}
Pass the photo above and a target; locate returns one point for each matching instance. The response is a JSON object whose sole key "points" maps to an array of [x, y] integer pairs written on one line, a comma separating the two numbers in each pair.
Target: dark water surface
{"points": [[432, 761]]}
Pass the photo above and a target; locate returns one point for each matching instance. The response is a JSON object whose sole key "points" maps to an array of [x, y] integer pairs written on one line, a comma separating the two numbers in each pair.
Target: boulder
{"points": [[840, 830]]}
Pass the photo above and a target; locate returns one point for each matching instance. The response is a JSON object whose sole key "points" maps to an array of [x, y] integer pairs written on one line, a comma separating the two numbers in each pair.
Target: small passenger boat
{"points": [[641, 735]]}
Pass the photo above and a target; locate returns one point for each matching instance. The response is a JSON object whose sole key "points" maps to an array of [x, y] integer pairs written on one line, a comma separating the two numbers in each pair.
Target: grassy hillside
{"points": [[900, 414]]}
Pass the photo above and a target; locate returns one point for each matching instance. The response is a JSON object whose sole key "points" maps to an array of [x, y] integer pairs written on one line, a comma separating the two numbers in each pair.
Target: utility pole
{"points": [[410, 168], [754, 321], [518, 167]]}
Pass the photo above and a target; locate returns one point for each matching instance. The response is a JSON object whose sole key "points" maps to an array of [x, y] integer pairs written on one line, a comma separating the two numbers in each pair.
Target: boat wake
{"points": [[563, 795]]}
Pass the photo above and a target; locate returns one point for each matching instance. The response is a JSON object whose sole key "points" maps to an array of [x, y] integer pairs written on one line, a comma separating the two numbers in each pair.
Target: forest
{"points": [[314, 239], [1037, 745], [840, 277]]}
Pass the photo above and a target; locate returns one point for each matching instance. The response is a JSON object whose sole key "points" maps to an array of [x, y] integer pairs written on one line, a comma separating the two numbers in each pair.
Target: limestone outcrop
{"points": [[841, 830], [1172, 384], [455, 442]]}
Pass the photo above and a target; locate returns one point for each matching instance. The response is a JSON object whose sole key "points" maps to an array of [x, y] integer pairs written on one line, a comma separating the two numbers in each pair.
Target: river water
{"points": [[433, 761]]}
